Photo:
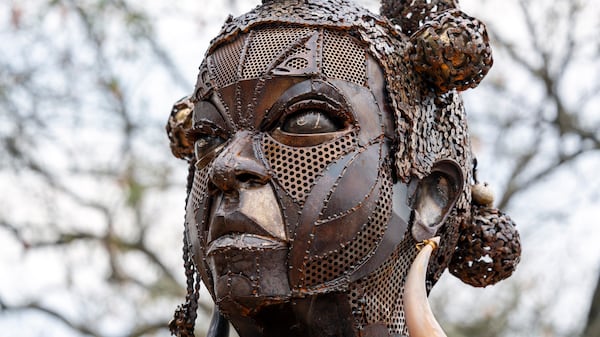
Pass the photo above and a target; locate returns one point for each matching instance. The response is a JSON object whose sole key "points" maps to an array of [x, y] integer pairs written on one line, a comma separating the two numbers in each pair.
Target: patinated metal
{"points": [[324, 142], [488, 248]]}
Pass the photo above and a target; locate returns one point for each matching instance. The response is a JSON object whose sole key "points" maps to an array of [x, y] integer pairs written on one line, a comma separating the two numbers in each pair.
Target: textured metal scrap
{"points": [[179, 123], [410, 14], [452, 51], [489, 248]]}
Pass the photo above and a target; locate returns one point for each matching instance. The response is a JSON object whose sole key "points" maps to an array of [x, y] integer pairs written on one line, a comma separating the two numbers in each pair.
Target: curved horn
{"points": [[419, 318]]}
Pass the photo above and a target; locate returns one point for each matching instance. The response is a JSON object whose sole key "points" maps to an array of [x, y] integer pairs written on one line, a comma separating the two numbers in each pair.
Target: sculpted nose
{"points": [[237, 166]]}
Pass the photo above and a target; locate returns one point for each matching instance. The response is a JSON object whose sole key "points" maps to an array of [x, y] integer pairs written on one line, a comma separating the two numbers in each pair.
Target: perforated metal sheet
{"points": [[379, 297], [343, 58], [268, 45], [341, 55], [347, 258], [199, 187], [225, 62], [297, 167]]}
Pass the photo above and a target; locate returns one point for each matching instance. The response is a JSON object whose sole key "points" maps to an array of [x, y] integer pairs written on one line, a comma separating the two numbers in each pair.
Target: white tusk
{"points": [[419, 318]]}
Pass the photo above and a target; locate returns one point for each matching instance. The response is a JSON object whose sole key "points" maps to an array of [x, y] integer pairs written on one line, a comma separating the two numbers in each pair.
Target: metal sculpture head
{"points": [[324, 143]]}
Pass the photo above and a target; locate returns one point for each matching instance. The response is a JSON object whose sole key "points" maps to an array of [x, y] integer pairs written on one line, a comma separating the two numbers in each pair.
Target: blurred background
{"points": [[92, 202]]}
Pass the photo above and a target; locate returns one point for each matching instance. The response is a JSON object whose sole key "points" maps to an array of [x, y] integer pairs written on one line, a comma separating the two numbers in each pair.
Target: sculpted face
{"points": [[292, 166], [324, 144], [293, 194], [293, 197]]}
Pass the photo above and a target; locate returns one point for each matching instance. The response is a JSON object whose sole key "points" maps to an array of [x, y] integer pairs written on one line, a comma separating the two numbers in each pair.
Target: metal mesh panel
{"points": [[297, 168], [266, 45], [344, 58], [379, 297], [351, 255], [297, 63], [199, 187], [225, 62]]}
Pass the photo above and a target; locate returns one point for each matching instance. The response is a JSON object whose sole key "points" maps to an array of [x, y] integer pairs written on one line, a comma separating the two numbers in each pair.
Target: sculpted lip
{"points": [[247, 223], [245, 242]]}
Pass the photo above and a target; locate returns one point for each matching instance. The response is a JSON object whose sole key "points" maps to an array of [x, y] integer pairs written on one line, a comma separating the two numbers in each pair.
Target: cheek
{"points": [[351, 243], [343, 193], [296, 169]]}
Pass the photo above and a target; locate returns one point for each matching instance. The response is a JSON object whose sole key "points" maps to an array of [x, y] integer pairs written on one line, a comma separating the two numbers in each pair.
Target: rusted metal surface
{"points": [[489, 248], [180, 122], [324, 142], [452, 51]]}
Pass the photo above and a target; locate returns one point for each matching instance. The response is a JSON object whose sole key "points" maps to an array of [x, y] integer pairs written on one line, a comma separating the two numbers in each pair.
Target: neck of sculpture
{"points": [[328, 315]]}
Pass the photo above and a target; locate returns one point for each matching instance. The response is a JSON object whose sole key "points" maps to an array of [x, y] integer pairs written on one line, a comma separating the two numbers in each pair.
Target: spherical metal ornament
{"points": [[488, 250], [178, 125], [452, 51]]}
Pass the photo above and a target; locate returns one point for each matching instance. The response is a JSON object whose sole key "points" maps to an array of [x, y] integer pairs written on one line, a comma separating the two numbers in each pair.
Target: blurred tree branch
{"points": [[49, 105], [549, 72], [54, 314]]}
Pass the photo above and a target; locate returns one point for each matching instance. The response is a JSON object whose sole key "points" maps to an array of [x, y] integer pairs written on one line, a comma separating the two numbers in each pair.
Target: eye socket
{"points": [[206, 148], [311, 121]]}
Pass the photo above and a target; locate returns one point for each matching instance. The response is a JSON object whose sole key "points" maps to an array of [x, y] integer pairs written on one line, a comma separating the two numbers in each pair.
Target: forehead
{"points": [[288, 50], [247, 75]]}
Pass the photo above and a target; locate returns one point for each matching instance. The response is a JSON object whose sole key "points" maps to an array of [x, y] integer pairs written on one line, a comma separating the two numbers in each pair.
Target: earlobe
{"points": [[434, 198]]}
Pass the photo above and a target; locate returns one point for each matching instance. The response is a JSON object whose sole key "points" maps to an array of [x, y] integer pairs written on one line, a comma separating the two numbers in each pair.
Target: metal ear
{"points": [[451, 51], [434, 199]]}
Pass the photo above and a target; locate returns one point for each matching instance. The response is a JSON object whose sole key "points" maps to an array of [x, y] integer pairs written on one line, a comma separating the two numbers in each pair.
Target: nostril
{"points": [[251, 177]]}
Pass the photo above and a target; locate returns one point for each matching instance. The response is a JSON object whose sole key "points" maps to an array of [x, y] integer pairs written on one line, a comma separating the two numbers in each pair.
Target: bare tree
{"points": [[537, 134], [85, 169]]}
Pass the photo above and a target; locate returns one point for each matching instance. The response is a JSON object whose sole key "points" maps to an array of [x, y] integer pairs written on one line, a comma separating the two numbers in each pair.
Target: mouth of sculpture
{"points": [[248, 270], [243, 242]]}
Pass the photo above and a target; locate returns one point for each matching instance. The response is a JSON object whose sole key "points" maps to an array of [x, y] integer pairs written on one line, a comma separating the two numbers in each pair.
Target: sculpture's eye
{"points": [[206, 148], [311, 121]]}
